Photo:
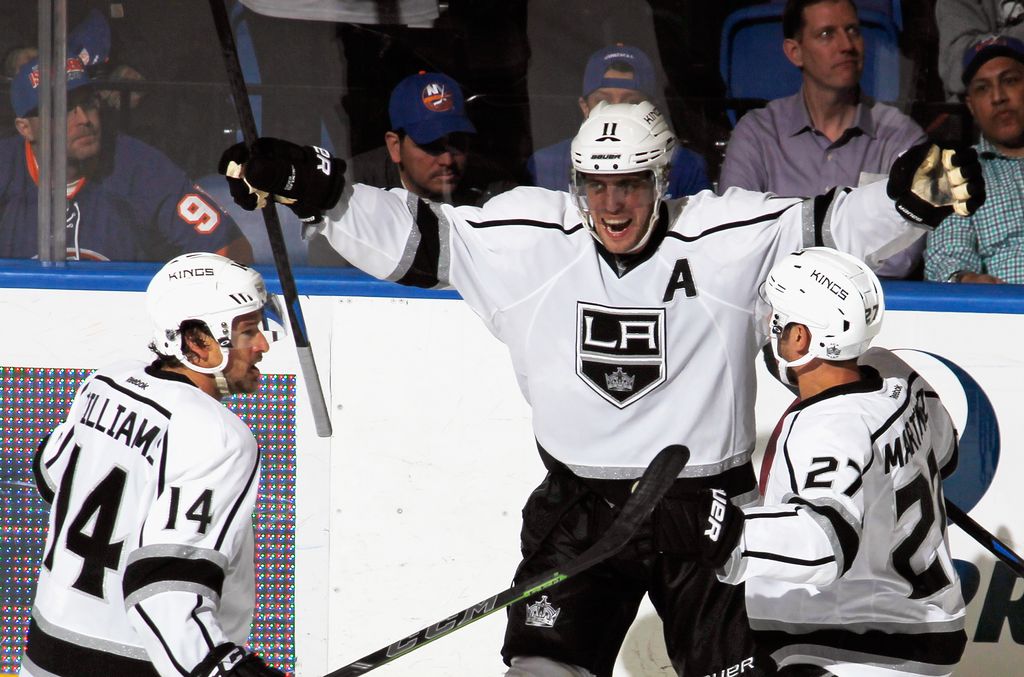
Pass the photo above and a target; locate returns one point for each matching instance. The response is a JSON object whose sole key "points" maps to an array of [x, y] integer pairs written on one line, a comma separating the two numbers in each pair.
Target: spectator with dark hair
{"points": [[617, 74], [126, 200], [829, 133], [426, 151], [988, 246]]}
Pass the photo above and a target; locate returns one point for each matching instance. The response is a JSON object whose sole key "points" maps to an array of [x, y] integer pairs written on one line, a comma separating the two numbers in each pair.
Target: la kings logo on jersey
{"points": [[620, 352]]}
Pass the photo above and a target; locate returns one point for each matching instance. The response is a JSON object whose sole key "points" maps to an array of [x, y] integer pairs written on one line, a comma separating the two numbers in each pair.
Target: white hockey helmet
{"points": [[835, 295], [621, 138], [205, 287]]}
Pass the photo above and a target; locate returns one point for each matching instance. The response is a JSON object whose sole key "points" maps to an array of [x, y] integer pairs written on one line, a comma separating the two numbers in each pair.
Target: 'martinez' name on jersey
{"points": [[618, 358]]}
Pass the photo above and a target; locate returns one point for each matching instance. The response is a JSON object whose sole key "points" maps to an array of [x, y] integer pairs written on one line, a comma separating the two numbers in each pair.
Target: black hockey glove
{"points": [[705, 528], [928, 183], [231, 660], [307, 179]]}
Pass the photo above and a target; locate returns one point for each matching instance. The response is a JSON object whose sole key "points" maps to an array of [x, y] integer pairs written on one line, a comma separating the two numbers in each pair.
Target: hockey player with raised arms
{"points": [[148, 564], [846, 564], [632, 324]]}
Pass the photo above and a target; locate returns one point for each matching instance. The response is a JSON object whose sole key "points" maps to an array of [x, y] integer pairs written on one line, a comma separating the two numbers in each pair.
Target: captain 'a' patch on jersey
{"points": [[620, 352]]}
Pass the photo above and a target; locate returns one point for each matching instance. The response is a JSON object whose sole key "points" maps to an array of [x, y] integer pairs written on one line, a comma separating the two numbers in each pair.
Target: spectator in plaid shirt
{"points": [[988, 247]]}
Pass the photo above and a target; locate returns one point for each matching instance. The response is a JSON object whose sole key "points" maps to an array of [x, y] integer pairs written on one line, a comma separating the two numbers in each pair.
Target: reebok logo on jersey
{"points": [[716, 515], [620, 352], [138, 383]]}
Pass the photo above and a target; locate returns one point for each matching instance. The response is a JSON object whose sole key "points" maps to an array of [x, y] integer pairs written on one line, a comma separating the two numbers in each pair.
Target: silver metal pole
{"points": [[52, 144]]}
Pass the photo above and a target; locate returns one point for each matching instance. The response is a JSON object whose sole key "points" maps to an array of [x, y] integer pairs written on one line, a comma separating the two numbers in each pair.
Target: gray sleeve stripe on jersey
{"points": [[726, 226], [838, 524], [135, 396], [78, 639], [226, 528], [146, 592], [426, 259], [817, 219], [163, 642]]}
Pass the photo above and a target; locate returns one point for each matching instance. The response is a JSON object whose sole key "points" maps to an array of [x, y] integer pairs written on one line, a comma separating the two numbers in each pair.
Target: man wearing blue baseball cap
{"points": [[429, 135], [426, 151], [617, 74], [985, 247]]}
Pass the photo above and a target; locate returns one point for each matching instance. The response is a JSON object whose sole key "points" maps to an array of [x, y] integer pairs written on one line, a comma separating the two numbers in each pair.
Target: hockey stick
{"points": [[982, 536], [240, 96], [650, 489]]}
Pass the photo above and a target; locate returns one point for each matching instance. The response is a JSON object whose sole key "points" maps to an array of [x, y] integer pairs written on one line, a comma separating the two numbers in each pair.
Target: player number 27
{"points": [[922, 491]]}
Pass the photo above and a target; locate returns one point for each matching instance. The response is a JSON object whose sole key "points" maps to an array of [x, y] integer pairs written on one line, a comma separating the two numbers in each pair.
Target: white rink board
{"points": [[411, 511]]}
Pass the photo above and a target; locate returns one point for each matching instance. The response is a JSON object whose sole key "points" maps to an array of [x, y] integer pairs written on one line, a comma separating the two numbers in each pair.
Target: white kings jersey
{"points": [[617, 361], [148, 563], [847, 560]]}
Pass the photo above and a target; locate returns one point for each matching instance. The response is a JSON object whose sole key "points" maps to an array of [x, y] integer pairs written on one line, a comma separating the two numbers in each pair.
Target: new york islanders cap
{"points": [[641, 77], [426, 106], [25, 86], [988, 48]]}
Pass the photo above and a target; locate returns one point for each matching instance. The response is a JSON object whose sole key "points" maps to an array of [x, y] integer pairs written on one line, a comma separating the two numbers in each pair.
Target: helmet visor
{"points": [[274, 324], [618, 208]]}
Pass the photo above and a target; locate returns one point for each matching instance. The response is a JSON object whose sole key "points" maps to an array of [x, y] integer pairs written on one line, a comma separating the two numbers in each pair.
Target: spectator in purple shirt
{"points": [[829, 133]]}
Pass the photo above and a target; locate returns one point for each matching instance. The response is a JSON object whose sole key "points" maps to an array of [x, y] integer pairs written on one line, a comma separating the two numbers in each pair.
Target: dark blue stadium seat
{"points": [[892, 8], [753, 65]]}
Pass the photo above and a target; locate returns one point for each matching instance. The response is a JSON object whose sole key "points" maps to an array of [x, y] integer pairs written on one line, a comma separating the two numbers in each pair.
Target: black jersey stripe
{"points": [[845, 533], [150, 570], [67, 659], [776, 557], [769, 515], [785, 454], [226, 528], [161, 481], [135, 396], [42, 487], [953, 461], [423, 272], [899, 412], [935, 648], [529, 223], [822, 216], [203, 630], [163, 642], [729, 226]]}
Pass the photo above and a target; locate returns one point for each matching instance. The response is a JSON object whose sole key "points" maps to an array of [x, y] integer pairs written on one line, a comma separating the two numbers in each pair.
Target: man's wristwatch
{"points": [[956, 276]]}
